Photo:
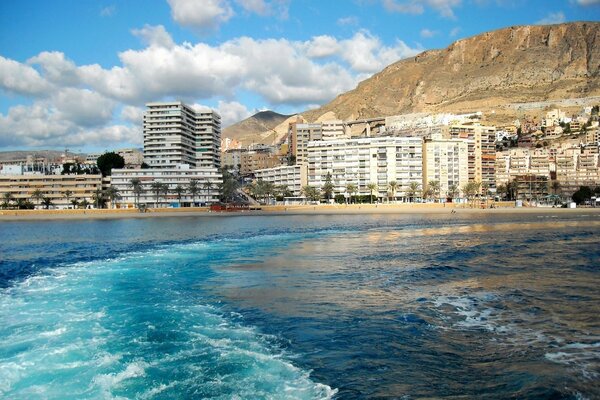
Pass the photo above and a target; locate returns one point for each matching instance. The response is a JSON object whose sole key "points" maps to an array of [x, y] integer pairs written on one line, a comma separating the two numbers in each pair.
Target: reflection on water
{"points": [[387, 306]]}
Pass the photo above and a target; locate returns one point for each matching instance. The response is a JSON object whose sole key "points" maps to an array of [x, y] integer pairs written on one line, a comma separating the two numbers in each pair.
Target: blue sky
{"points": [[77, 73]]}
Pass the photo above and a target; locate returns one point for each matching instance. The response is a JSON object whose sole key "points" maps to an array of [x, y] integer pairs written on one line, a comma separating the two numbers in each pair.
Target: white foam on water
{"points": [[583, 357]]}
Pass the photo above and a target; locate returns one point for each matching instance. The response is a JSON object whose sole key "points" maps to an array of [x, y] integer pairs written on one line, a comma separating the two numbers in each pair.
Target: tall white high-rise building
{"points": [[175, 133]]}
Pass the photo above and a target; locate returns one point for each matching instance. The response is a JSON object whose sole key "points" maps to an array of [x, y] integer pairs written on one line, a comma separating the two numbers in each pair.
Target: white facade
{"points": [[175, 133], [378, 160], [445, 161], [208, 181], [335, 130], [294, 177]]}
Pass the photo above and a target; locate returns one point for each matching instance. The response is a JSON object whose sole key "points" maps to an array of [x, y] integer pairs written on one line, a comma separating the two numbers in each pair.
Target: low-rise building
{"points": [[294, 177], [207, 179], [61, 190]]}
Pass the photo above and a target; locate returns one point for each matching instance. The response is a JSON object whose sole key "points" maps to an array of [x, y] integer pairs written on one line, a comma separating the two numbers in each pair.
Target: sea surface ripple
{"points": [[302, 307]]}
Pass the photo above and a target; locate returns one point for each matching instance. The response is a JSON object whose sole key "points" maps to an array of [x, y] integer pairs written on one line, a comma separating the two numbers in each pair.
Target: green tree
{"points": [[7, 199], [208, 186], [37, 195], [68, 195], [311, 193], [109, 161], [84, 203], [98, 198], [351, 190], [453, 191], [158, 188], [327, 188], [75, 202], [112, 194], [413, 189], [393, 186], [228, 187], [179, 191], [501, 191], [193, 189], [372, 188], [47, 202], [434, 189], [138, 189], [582, 195]]}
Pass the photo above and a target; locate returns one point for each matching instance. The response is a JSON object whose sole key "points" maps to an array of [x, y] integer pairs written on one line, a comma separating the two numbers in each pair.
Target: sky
{"points": [[76, 74]]}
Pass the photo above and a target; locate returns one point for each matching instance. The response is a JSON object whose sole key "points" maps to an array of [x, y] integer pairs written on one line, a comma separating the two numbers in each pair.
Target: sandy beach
{"points": [[339, 209]]}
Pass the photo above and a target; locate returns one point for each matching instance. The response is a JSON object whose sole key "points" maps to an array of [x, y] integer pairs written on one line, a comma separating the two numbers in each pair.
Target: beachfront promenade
{"points": [[432, 208]]}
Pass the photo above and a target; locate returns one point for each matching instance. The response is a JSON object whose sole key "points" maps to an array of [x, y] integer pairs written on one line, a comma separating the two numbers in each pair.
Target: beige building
{"points": [[251, 161], [445, 161], [294, 177], [60, 189], [299, 135], [481, 149]]}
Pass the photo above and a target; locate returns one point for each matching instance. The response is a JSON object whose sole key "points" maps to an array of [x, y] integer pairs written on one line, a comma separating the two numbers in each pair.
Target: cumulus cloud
{"points": [[347, 21], [230, 112], [70, 101], [202, 16], [444, 7], [21, 79], [552, 18], [154, 36]]}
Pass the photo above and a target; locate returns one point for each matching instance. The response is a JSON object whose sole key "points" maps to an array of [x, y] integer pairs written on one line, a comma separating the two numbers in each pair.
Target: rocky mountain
{"points": [[490, 71], [259, 128]]}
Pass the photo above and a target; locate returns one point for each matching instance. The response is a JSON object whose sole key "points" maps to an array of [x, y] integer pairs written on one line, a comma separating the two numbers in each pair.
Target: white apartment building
{"points": [[175, 133], [208, 180], [294, 177], [445, 161], [299, 135], [378, 160]]}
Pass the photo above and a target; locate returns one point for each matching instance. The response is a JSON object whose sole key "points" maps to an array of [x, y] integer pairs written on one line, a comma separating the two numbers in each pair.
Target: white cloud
{"points": [[108, 11], [201, 15], [321, 46], [347, 21], [366, 54], [22, 79], [444, 7], [230, 112], [428, 33], [154, 36], [132, 114], [454, 32], [587, 2], [552, 18], [278, 8], [71, 101]]}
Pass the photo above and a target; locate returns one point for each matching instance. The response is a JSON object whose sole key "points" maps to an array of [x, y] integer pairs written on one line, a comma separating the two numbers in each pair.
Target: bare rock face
{"points": [[513, 65]]}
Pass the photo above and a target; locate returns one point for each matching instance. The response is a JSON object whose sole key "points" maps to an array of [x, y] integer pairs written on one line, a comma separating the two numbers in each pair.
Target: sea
{"points": [[388, 306]]}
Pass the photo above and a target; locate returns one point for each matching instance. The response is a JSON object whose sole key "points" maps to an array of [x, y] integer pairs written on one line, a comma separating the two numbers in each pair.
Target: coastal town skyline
{"points": [[236, 57]]}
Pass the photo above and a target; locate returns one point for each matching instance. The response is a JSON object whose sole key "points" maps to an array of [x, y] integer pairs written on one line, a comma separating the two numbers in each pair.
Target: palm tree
{"points": [[453, 190], [75, 202], [208, 187], [555, 186], [434, 188], [68, 195], [393, 185], [193, 189], [311, 193], [112, 194], [47, 202], [413, 189], [7, 199], [158, 188], [351, 188], [501, 191], [37, 195], [372, 187], [179, 190], [137, 190], [327, 188], [98, 198]]}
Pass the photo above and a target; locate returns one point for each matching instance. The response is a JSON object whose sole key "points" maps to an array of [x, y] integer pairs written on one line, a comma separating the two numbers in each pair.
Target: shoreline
{"points": [[338, 209]]}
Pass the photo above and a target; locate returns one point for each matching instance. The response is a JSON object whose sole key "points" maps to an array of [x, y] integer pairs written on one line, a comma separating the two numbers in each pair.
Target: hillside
{"points": [[259, 128], [491, 71]]}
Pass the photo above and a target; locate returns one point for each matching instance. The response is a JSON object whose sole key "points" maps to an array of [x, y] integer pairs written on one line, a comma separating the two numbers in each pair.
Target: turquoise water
{"points": [[301, 307]]}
